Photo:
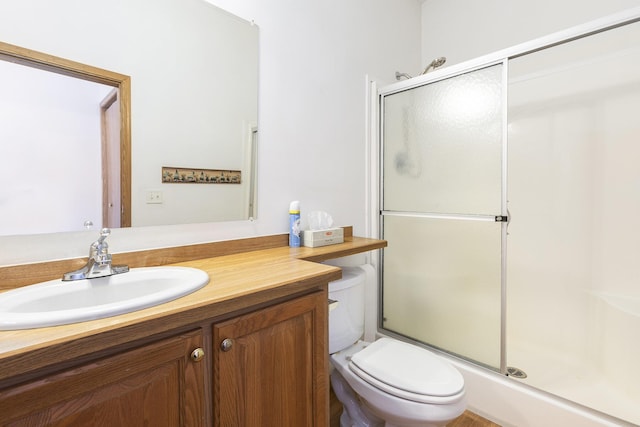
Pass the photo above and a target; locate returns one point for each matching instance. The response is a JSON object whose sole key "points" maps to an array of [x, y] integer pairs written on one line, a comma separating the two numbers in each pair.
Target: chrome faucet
{"points": [[99, 263]]}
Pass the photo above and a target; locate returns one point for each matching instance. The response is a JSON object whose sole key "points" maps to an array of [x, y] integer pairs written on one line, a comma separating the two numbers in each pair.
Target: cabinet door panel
{"points": [[147, 386], [275, 371]]}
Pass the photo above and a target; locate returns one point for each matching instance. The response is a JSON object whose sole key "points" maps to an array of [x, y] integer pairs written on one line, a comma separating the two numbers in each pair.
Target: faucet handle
{"points": [[104, 233], [99, 250]]}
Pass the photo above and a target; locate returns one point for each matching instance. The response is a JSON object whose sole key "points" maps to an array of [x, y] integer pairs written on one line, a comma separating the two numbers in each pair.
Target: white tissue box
{"points": [[316, 238]]}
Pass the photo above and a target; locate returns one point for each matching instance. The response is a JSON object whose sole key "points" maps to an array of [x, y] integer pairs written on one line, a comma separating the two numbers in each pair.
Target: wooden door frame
{"points": [[54, 64]]}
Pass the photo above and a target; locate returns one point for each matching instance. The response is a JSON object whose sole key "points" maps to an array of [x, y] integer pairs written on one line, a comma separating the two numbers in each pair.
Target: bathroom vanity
{"points": [[248, 349]]}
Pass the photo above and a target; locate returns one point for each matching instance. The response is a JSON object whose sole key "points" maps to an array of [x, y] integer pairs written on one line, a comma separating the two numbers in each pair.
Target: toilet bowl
{"points": [[387, 382], [401, 384]]}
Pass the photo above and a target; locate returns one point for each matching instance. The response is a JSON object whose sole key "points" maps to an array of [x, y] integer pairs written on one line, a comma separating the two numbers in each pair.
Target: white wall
{"points": [[465, 29], [314, 57]]}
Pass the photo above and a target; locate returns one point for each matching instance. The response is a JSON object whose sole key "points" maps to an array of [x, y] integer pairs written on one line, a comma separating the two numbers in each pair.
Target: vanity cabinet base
{"points": [[270, 367], [154, 385], [266, 368]]}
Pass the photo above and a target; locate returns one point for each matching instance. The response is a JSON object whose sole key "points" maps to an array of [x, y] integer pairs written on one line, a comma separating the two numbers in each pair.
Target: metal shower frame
{"points": [[503, 57]]}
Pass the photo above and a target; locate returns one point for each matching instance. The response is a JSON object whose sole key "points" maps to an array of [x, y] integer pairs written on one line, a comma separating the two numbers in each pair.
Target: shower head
{"points": [[438, 62], [400, 76]]}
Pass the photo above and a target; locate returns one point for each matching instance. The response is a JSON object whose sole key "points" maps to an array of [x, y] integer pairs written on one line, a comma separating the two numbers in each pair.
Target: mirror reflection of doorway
{"points": [[42, 112], [57, 118], [110, 144]]}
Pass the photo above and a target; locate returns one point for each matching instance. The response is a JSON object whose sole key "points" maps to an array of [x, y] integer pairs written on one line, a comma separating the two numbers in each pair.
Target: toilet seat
{"points": [[408, 372]]}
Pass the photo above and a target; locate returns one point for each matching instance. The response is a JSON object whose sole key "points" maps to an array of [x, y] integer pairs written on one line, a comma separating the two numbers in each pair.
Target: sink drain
{"points": [[515, 372]]}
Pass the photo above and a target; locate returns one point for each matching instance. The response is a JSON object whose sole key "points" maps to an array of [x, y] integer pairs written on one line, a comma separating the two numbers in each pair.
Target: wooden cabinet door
{"points": [[271, 366], [155, 385]]}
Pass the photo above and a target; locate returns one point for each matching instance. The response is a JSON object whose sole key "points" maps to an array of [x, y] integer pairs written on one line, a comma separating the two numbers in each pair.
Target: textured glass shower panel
{"points": [[574, 196], [442, 284], [443, 146]]}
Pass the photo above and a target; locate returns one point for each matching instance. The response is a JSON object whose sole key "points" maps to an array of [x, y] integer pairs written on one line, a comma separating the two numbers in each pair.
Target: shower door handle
{"points": [[504, 218]]}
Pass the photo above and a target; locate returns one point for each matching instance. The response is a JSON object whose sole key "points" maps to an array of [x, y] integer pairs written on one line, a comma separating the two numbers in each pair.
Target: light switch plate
{"points": [[154, 197]]}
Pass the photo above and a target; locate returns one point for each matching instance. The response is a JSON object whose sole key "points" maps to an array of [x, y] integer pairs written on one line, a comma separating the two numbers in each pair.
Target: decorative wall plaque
{"points": [[200, 176]]}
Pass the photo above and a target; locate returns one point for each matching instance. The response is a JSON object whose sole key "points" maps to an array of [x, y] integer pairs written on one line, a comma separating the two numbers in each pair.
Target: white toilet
{"points": [[386, 383]]}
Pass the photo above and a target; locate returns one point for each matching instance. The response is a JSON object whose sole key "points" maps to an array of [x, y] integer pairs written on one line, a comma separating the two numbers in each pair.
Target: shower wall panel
{"points": [[574, 195]]}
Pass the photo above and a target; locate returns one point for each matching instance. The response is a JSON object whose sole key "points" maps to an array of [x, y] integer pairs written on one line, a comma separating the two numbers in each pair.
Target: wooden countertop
{"points": [[237, 282]]}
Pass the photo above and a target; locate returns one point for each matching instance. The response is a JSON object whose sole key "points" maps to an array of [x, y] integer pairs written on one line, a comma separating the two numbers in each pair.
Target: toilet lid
{"points": [[407, 371]]}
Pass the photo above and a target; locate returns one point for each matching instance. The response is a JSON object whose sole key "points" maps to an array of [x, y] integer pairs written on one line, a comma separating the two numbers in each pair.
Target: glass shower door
{"points": [[442, 207]]}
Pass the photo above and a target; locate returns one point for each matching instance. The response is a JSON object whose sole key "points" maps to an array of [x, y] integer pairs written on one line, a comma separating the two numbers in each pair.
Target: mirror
{"points": [[186, 80]]}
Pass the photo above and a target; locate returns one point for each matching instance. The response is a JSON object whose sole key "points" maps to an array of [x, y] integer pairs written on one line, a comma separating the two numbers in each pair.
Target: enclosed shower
{"points": [[510, 200]]}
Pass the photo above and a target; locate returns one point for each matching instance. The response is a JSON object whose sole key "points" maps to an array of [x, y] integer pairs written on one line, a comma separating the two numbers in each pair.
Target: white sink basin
{"points": [[58, 303]]}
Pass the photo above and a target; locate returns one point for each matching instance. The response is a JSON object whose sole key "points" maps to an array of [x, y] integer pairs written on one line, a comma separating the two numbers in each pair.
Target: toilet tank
{"points": [[346, 317]]}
